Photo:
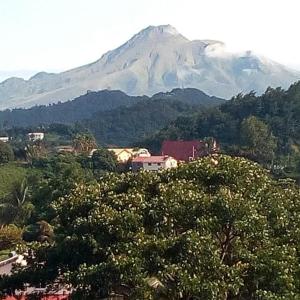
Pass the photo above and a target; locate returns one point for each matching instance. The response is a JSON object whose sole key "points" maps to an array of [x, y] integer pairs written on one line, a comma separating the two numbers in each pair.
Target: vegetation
{"points": [[10, 174], [10, 237], [217, 228], [112, 116], [265, 128], [6, 153]]}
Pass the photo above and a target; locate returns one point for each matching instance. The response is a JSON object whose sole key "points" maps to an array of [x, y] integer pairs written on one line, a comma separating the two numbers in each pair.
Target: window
{"points": [[149, 164], [158, 164]]}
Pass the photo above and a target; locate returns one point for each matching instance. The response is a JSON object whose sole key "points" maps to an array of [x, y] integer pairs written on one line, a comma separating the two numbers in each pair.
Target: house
{"points": [[188, 150], [65, 149], [35, 136], [153, 163], [125, 154], [4, 139]]}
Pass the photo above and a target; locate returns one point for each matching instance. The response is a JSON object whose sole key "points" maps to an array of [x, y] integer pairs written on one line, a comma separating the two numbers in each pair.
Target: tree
{"points": [[104, 160], [10, 237], [40, 231], [59, 175], [259, 142], [6, 153], [217, 228], [84, 143]]}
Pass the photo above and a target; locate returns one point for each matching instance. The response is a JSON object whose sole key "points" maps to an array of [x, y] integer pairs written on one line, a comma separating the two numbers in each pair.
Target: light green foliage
{"points": [[217, 228], [9, 175], [10, 237]]}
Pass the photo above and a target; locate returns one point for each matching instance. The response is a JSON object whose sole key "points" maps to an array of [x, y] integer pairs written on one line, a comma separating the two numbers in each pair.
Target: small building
{"points": [[4, 139], [65, 149], [125, 154], [153, 163], [35, 136], [188, 150]]}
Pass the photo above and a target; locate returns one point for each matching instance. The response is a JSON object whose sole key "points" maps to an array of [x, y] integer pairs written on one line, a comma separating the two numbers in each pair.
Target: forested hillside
{"points": [[112, 116], [127, 125], [68, 112], [84, 107], [265, 128]]}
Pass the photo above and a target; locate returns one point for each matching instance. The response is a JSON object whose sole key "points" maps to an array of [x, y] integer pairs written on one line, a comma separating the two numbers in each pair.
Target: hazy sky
{"points": [[55, 35]]}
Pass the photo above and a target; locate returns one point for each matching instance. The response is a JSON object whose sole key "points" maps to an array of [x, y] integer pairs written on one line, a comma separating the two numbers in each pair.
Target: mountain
{"points": [[106, 105], [157, 59]]}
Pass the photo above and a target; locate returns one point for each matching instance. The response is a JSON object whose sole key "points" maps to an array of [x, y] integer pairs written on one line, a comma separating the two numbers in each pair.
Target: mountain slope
{"points": [[86, 106], [154, 60]]}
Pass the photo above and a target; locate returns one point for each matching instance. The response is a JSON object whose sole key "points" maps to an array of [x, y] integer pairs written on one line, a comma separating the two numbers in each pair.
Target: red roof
{"points": [[150, 159], [183, 150]]}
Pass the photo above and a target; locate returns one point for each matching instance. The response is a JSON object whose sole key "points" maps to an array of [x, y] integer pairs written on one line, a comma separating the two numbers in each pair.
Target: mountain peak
{"points": [[157, 32], [161, 29]]}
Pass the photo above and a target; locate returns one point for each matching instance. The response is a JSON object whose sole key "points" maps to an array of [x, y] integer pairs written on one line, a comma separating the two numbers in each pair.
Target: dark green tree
{"points": [[6, 153], [258, 141], [103, 160]]}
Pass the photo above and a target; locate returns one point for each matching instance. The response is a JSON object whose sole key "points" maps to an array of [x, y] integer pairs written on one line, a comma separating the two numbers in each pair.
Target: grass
{"points": [[9, 175]]}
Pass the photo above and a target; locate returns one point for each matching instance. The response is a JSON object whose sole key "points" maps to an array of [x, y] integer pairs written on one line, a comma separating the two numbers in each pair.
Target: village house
{"points": [[125, 154], [65, 149], [4, 139], [189, 150], [35, 136], [153, 163]]}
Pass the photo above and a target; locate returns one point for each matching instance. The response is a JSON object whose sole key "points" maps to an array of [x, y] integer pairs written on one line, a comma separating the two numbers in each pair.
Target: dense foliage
{"points": [[217, 228], [112, 116], [78, 109], [274, 118], [124, 126], [6, 153]]}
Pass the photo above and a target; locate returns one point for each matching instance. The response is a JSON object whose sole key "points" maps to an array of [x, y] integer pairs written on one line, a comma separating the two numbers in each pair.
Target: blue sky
{"points": [[55, 35]]}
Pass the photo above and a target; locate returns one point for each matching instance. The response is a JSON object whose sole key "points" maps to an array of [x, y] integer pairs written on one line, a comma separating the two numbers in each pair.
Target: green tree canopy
{"points": [[104, 160], [6, 153], [258, 140], [217, 228]]}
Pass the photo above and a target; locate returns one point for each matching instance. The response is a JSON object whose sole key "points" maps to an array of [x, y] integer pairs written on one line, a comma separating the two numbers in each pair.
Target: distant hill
{"points": [[80, 108], [112, 116], [158, 58]]}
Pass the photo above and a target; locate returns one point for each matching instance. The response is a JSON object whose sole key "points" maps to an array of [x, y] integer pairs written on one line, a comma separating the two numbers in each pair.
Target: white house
{"points": [[35, 136], [4, 139], [153, 163]]}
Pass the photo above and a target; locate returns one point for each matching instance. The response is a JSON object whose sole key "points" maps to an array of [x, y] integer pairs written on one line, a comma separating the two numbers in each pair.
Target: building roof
{"points": [[151, 159], [117, 151], [183, 150]]}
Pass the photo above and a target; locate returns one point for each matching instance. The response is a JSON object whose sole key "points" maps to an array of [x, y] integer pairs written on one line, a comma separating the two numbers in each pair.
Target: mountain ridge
{"points": [[93, 103]]}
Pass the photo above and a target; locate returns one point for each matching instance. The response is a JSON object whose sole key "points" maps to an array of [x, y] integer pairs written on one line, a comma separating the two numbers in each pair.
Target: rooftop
{"points": [[151, 159]]}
